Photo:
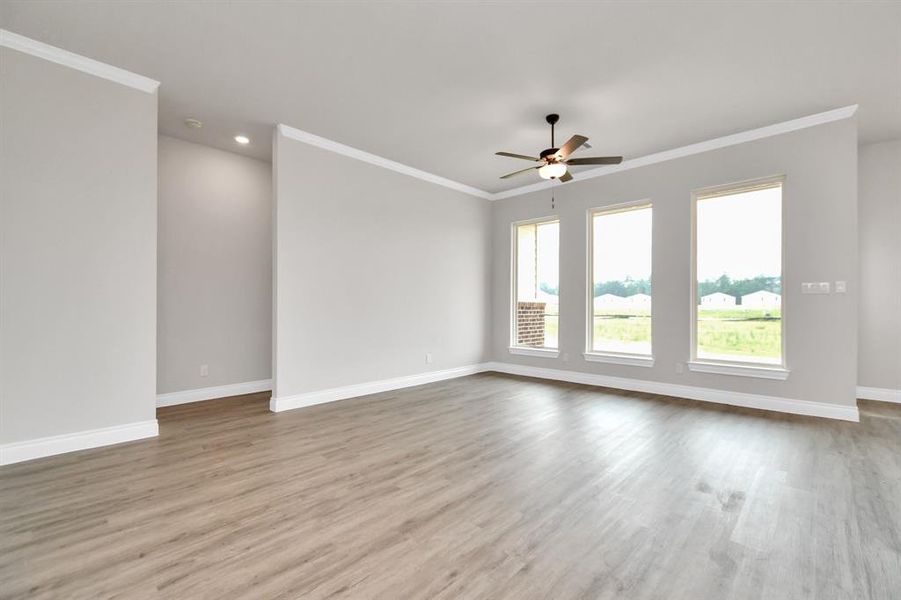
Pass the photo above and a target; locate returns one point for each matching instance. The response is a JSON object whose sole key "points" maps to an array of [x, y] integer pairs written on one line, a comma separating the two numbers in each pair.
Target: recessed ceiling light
{"points": [[242, 139], [193, 123]]}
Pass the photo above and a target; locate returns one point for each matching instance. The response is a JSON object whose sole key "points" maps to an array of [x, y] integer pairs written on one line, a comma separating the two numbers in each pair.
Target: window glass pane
{"points": [[537, 306], [739, 270], [621, 264]]}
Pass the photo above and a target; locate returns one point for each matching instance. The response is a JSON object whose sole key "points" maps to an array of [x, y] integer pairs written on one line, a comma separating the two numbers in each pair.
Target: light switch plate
{"points": [[841, 287], [815, 287]]}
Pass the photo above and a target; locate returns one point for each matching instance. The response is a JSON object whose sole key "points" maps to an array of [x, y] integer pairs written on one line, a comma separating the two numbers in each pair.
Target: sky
{"points": [[548, 258], [622, 245], [549, 254], [740, 235]]}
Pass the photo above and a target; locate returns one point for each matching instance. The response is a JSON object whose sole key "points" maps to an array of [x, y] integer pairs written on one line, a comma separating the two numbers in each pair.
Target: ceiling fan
{"points": [[554, 161]]}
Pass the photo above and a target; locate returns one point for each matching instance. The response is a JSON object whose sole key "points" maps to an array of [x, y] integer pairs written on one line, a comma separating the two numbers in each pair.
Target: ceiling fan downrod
{"points": [[552, 119]]}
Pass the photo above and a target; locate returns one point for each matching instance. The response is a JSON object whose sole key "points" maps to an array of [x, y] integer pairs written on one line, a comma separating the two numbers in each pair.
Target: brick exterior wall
{"points": [[530, 324]]}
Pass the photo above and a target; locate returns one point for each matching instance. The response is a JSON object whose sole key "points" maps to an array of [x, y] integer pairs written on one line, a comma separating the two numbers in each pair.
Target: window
{"points": [[620, 281], [536, 282], [737, 296]]}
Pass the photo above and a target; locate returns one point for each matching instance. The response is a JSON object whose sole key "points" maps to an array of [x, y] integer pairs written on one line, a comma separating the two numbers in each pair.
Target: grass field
{"points": [[622, 330], [749, 334], [738, 332], [753, 334]]}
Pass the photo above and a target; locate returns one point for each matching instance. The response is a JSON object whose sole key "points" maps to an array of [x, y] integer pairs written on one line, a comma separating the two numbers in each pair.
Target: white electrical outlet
{"points": [[204, 370], [428, 358], [841, 287], [680, 367], [566, 357]]}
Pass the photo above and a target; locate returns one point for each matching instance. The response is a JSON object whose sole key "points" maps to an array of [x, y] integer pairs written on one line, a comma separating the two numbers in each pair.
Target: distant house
{"points": [[639, 300], [762, 299], [717, 299], [609, 301]]}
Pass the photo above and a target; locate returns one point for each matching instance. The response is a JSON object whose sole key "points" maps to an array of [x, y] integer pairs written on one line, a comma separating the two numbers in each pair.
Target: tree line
{"points": [[740, 287], [724, 284]]}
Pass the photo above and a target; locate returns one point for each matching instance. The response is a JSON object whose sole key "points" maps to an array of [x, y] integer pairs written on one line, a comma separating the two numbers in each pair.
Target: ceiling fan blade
{"points": [[508, 175], [596, 160], [565, 177], [522, 156], [571, 146]]}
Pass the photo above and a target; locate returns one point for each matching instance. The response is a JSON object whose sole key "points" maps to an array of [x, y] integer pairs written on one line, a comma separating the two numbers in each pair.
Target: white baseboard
{"points": [[212, 393], [786, 405], [370, 387], [773, 403], [94, 438], [80, 440], [882, 394]]}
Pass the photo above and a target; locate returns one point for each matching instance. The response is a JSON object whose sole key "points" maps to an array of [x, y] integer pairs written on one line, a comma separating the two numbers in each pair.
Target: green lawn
{"points": [[622, 330], [740, 333], [737, 332], [749, 333]]}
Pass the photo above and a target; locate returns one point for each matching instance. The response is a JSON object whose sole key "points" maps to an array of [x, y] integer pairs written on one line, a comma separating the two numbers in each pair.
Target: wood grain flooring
{"points": [[488, 486]]}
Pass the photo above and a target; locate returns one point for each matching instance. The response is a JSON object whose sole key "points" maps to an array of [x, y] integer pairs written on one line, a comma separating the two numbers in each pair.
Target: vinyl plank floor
{"points": [[489, 486]]}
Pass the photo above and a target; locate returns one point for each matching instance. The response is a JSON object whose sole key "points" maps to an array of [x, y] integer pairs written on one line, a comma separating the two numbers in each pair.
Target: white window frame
{"points": [[514, 251], [724, 366], [620, 358]]}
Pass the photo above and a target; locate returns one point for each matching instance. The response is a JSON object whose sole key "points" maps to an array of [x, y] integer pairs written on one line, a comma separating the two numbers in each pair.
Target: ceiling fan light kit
{"points": [[552, 170], [554, 162]]}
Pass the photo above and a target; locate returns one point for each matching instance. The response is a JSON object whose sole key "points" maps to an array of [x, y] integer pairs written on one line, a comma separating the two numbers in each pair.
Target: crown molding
{"points": [[59, 56], [697, 148], [721, 142], [338, 148]]}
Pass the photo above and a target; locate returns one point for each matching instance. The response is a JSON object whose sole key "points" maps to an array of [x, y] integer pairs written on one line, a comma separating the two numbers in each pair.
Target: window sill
{"points": [[632, 360], [762, 372], [542, 352]]}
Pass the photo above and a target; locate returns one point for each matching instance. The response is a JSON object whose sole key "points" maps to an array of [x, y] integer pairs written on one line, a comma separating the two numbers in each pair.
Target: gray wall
{"points": [[880, 265], [374, 270], [215, 267], [820, 200], [77, 251]]}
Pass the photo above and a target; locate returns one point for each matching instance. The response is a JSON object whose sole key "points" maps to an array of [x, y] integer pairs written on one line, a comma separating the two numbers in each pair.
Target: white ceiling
{"points": [[442, 86]]}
